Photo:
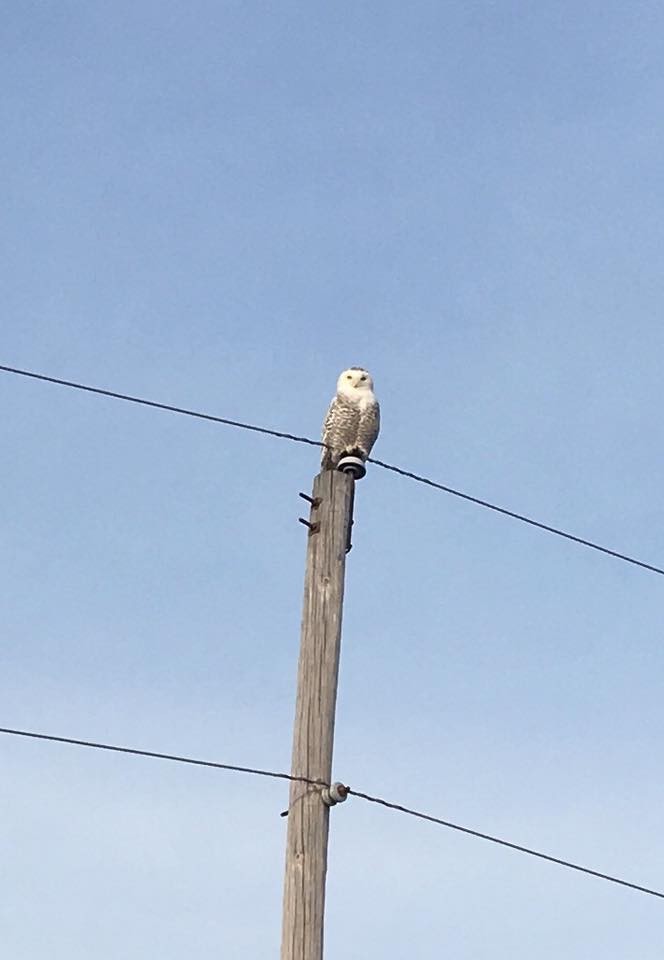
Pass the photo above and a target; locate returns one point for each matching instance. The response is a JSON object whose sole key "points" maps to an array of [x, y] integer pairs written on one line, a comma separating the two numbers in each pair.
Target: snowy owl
{"points": [[353, 419]]}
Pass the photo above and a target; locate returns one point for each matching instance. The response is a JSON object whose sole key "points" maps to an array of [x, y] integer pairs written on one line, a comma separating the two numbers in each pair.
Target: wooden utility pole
{"points": [[313, 737]]}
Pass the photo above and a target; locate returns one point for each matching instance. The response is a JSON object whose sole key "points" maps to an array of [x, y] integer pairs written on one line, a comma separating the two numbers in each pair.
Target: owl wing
{"points": [[369, 427], [329, 432]]}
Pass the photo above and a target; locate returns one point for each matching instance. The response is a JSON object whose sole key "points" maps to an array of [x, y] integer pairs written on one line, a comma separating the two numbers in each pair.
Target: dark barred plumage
{"points": [[353, 419]]}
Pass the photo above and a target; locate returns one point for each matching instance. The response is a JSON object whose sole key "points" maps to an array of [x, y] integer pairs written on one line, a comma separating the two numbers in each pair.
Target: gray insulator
{"points": [[352, 465], [334, 794]]}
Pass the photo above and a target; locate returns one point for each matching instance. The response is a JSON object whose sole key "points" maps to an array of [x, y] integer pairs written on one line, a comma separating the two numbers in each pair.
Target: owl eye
{"points": [[363, 377], [349, 376]]}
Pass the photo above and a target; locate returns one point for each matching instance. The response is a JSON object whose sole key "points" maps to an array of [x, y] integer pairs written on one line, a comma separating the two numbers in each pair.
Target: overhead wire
{"points": [[255, 771], [504, 843], [289, 777], [295, 438], [516, 516], [160, 406], [399, 808]]}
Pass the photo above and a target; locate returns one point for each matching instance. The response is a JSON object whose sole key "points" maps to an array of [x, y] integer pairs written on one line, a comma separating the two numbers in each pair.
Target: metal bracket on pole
{"points": [[313, 525]]}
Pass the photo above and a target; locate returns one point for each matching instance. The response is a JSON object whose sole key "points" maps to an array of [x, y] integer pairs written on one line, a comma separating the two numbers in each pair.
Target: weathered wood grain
{"points": [[313, 738]]}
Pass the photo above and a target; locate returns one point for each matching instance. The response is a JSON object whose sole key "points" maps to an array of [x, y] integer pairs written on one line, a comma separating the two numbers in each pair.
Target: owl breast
{"points": [[351, 427]]}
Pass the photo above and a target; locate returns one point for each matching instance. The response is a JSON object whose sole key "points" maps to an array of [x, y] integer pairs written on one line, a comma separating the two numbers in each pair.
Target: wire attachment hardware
{"points": [[334, 794], [349, 463]]}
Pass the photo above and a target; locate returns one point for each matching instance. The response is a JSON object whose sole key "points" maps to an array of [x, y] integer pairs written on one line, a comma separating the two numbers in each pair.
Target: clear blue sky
{"points": [[220, 205]]}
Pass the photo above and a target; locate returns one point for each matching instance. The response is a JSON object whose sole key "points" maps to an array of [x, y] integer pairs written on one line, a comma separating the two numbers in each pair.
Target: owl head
{"points": [[354, 381]]}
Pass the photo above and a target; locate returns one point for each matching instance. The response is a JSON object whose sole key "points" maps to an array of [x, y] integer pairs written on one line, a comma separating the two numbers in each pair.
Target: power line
{"points": [[316, 443], [161, 756], [517, 516], [505, 843], [318, 783], [160, 406]]}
